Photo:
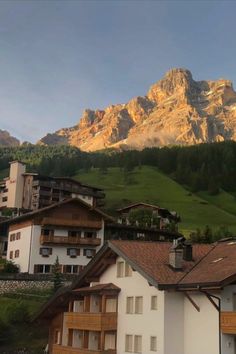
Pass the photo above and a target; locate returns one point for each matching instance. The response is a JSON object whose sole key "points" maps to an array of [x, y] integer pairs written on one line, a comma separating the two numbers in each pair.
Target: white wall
{"points": [[174, 323], [60, 251], [23, 245], [201, 329], [148, 324]]}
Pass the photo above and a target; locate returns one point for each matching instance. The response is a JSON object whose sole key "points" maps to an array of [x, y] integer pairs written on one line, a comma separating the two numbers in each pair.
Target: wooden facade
{"points": [[228, 322], [75, 241]]}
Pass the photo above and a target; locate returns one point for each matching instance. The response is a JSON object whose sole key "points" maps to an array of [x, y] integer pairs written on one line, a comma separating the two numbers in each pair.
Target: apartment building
{"points": [[71, 230], [148, 297], [31, 191]]}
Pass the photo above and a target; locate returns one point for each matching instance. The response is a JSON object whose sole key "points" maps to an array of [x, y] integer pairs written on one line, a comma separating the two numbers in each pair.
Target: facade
{"points": [[31, 191], [146, 297], [71, 230], [160, 215]]}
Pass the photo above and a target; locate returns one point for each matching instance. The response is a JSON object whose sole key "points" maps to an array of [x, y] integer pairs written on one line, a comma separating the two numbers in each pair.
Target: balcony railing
{"points": [[86, 223], [69, 240], [91, 321], [59, 349], [228, 322]]}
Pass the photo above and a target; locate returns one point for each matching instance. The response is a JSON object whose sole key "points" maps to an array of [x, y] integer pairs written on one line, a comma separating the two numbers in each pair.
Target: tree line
{"points": [[204, 167]]}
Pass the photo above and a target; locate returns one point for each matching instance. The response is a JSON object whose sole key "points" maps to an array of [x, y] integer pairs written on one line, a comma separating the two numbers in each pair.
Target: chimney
{"points": [[188, 251], [176, 255]]}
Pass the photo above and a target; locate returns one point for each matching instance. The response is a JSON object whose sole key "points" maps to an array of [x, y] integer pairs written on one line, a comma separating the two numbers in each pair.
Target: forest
{"points": [[204, 167]]}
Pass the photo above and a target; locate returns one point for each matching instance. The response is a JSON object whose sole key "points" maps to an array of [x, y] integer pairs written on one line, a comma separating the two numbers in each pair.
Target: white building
{"points": [[146, 297], [71, 230]]}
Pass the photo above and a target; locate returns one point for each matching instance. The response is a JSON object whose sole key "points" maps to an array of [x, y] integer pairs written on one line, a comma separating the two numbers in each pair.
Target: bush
{"points": [[10, 267]]}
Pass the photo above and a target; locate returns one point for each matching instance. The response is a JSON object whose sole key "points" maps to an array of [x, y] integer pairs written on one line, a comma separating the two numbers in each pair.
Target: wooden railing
{"points": [[69, 240], [228, 322], [91, 321], [93, 224], [59, 349]]}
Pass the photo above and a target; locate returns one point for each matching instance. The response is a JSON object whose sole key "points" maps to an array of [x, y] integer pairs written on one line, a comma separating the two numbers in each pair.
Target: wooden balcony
{"points": [[91, 224], [228, 322], [59, 349], [69, 240], [89, 321]]}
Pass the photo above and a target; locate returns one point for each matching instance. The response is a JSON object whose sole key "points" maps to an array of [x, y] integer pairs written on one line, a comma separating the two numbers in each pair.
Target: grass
{"points": [[23, 335], [149, 185]]}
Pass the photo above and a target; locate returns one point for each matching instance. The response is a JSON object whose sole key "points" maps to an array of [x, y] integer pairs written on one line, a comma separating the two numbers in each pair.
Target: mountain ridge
{"points": [[177, 110]]}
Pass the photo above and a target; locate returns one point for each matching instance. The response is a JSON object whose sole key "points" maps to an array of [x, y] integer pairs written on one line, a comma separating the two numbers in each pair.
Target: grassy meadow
{"points": [[149, 185]]}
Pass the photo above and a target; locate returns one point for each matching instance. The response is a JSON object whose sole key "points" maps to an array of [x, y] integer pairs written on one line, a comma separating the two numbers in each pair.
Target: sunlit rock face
{"points": [[177, 110], [7, 140]]}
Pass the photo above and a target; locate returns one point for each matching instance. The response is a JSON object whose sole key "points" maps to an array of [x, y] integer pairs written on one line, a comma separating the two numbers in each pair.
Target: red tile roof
{"points": [[152, 258], [98, 288]]}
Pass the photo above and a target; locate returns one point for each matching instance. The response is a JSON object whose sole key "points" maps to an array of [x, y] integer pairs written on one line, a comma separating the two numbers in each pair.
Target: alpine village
{"points": [[117, 235]]}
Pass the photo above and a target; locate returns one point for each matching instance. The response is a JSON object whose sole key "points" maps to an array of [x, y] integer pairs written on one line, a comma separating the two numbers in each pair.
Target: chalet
{"points": [[72, 230], [148, 297], [31, 191], [164, 216]]}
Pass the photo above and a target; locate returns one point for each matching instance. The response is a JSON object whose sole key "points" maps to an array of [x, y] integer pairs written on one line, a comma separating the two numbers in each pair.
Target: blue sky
{"points": [[58, 58]]}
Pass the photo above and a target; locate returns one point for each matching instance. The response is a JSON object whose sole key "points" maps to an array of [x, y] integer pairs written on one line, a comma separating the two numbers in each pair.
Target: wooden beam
{"points": [[192, 301], [212, 301]]}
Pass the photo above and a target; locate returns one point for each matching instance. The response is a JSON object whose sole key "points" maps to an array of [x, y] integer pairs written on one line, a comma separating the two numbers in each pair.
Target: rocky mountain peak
{"points": [[7, 140], [176, 110]]}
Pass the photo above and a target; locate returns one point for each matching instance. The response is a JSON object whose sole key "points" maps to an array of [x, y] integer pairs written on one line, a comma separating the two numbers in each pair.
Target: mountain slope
{"points": [[151, 186], [7, 140], [176, 110]]}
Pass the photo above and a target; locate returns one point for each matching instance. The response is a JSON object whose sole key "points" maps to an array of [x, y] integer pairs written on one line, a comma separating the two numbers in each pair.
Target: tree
{"points": [[57, 275]]}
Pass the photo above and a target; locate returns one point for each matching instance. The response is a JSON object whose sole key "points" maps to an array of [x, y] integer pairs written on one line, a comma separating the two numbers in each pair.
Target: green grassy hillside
{"points": [[149, 185]]}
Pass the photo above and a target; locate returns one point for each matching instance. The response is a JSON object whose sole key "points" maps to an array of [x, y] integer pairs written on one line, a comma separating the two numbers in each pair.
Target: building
{"points": [[31, 191], [161, 216], [3, 236], [148, 297], [71, 230]]}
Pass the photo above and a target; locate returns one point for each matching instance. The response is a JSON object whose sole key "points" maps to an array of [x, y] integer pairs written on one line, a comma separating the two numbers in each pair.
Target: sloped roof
{"points": [[56, 205], [97, 288]]}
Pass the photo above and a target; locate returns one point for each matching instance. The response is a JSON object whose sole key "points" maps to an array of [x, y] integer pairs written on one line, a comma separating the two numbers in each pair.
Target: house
{"points": [[31, 191], [148, 297], [3, 236], [72, 230], [163, 216]]}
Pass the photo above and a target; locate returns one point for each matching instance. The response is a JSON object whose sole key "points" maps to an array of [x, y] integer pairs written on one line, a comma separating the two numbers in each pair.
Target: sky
{"points": [[59, 57]]}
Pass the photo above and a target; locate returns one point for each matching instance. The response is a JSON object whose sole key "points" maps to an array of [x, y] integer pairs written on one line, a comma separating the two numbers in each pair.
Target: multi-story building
{"points": [[71, 230], [148, 297], [31, 191]]}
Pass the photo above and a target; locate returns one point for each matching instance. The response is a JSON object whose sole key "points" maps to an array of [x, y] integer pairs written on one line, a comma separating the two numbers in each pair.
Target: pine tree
{"points": [[57, 275]]}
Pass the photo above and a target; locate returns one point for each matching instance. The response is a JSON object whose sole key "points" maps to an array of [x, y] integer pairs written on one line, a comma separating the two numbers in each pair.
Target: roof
{"points": [[213, 266], [137, 204], [97, 288], [56, 205], [151, 259]]}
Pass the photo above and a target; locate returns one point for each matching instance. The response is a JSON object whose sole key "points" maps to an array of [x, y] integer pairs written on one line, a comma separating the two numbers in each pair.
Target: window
{"points": [[4, 199], [138, 304], [45, 251], [89, 253], [18, 236], [47, 232], [42, 268], [154, 303], [128, 270], [12, 237], [17, 253], [120, 269], [128, 343], [137, 344], [90, 234], [11, 255], [153, 344], [70, 269], [73, 233], [73, 252], [129, 305]]}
